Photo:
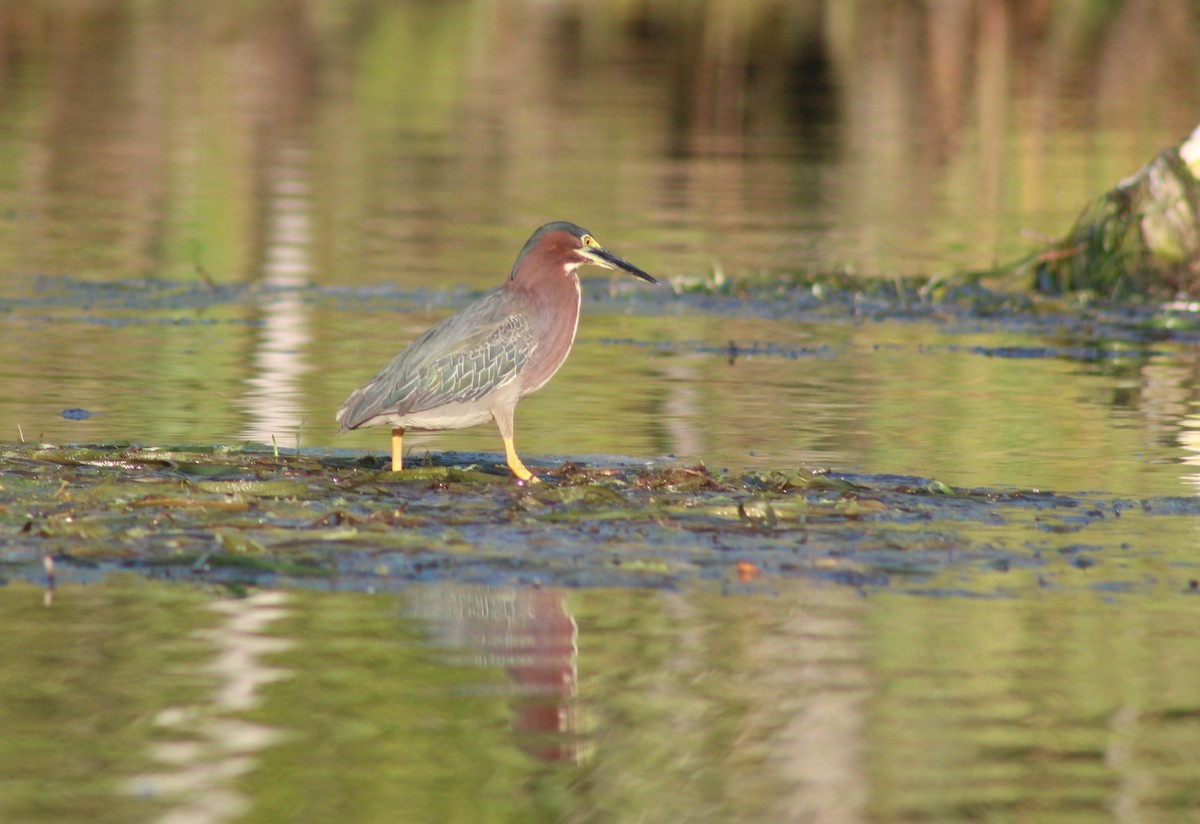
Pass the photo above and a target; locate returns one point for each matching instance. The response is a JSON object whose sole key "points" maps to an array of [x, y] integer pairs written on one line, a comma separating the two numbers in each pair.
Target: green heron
{"points": [[476, 365]]}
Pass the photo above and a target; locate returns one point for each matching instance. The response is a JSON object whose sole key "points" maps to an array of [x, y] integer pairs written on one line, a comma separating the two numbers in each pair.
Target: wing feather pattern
{"points": [[447, 364]]}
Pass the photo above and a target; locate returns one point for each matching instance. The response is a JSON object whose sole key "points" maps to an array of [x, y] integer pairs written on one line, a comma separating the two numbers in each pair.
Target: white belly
{"points": [[450, 416]]}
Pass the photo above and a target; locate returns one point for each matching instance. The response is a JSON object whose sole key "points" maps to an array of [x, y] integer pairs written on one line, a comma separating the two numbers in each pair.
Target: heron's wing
{"points": [[475, 368], [451, 363]]}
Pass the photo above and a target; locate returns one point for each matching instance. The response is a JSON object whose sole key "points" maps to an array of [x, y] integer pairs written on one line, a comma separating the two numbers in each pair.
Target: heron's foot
{"points": [[521, 472], [518, 468]]}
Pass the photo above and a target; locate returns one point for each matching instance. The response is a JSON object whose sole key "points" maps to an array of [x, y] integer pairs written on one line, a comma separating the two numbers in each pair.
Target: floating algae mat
{"points": [[249, 516]]}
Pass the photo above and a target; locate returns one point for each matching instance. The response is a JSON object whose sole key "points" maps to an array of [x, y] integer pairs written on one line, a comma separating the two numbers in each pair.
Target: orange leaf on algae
{"points": [[747, 571]]}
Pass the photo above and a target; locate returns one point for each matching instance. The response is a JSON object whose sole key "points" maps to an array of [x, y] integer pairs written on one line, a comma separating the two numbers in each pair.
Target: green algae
{"points": [[246, 516]]}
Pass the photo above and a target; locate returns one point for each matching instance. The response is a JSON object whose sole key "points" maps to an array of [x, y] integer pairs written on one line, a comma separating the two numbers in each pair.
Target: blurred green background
{"points": [[393, 156]]}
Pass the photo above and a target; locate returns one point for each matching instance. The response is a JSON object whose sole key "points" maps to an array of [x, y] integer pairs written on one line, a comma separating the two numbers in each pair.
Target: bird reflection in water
{"points": [[531, 634]]}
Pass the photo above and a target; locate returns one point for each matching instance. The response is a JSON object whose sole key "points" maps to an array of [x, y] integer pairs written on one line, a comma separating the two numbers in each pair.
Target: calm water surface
{"points": [[971, 403], [218, 219], [131, 700]]}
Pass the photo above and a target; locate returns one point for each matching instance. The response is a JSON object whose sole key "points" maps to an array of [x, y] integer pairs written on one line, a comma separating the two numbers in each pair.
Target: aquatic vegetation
{"points": [[1141, 237], [249, 515]]}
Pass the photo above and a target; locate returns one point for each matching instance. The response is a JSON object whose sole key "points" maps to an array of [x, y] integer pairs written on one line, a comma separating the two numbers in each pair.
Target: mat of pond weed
{"points": [[249, 516]]}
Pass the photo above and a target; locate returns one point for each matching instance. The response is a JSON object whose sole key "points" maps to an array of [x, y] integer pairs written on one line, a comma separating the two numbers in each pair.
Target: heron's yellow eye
{"points": [[588, 240]]}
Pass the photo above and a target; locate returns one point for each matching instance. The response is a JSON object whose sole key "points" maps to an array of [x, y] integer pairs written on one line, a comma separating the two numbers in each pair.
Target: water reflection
{"points": [[822, 748], [797, 700], [274, 399], [762, 702], [210, 745], [531, 635], [772, 136]]}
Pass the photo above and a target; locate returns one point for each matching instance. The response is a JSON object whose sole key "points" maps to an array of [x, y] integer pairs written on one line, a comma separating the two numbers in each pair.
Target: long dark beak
{"points": [[602, 257]]}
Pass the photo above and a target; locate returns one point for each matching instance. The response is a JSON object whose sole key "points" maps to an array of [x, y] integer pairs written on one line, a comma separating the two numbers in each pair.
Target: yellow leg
{"points": [[397, 450], [514, 463]]}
